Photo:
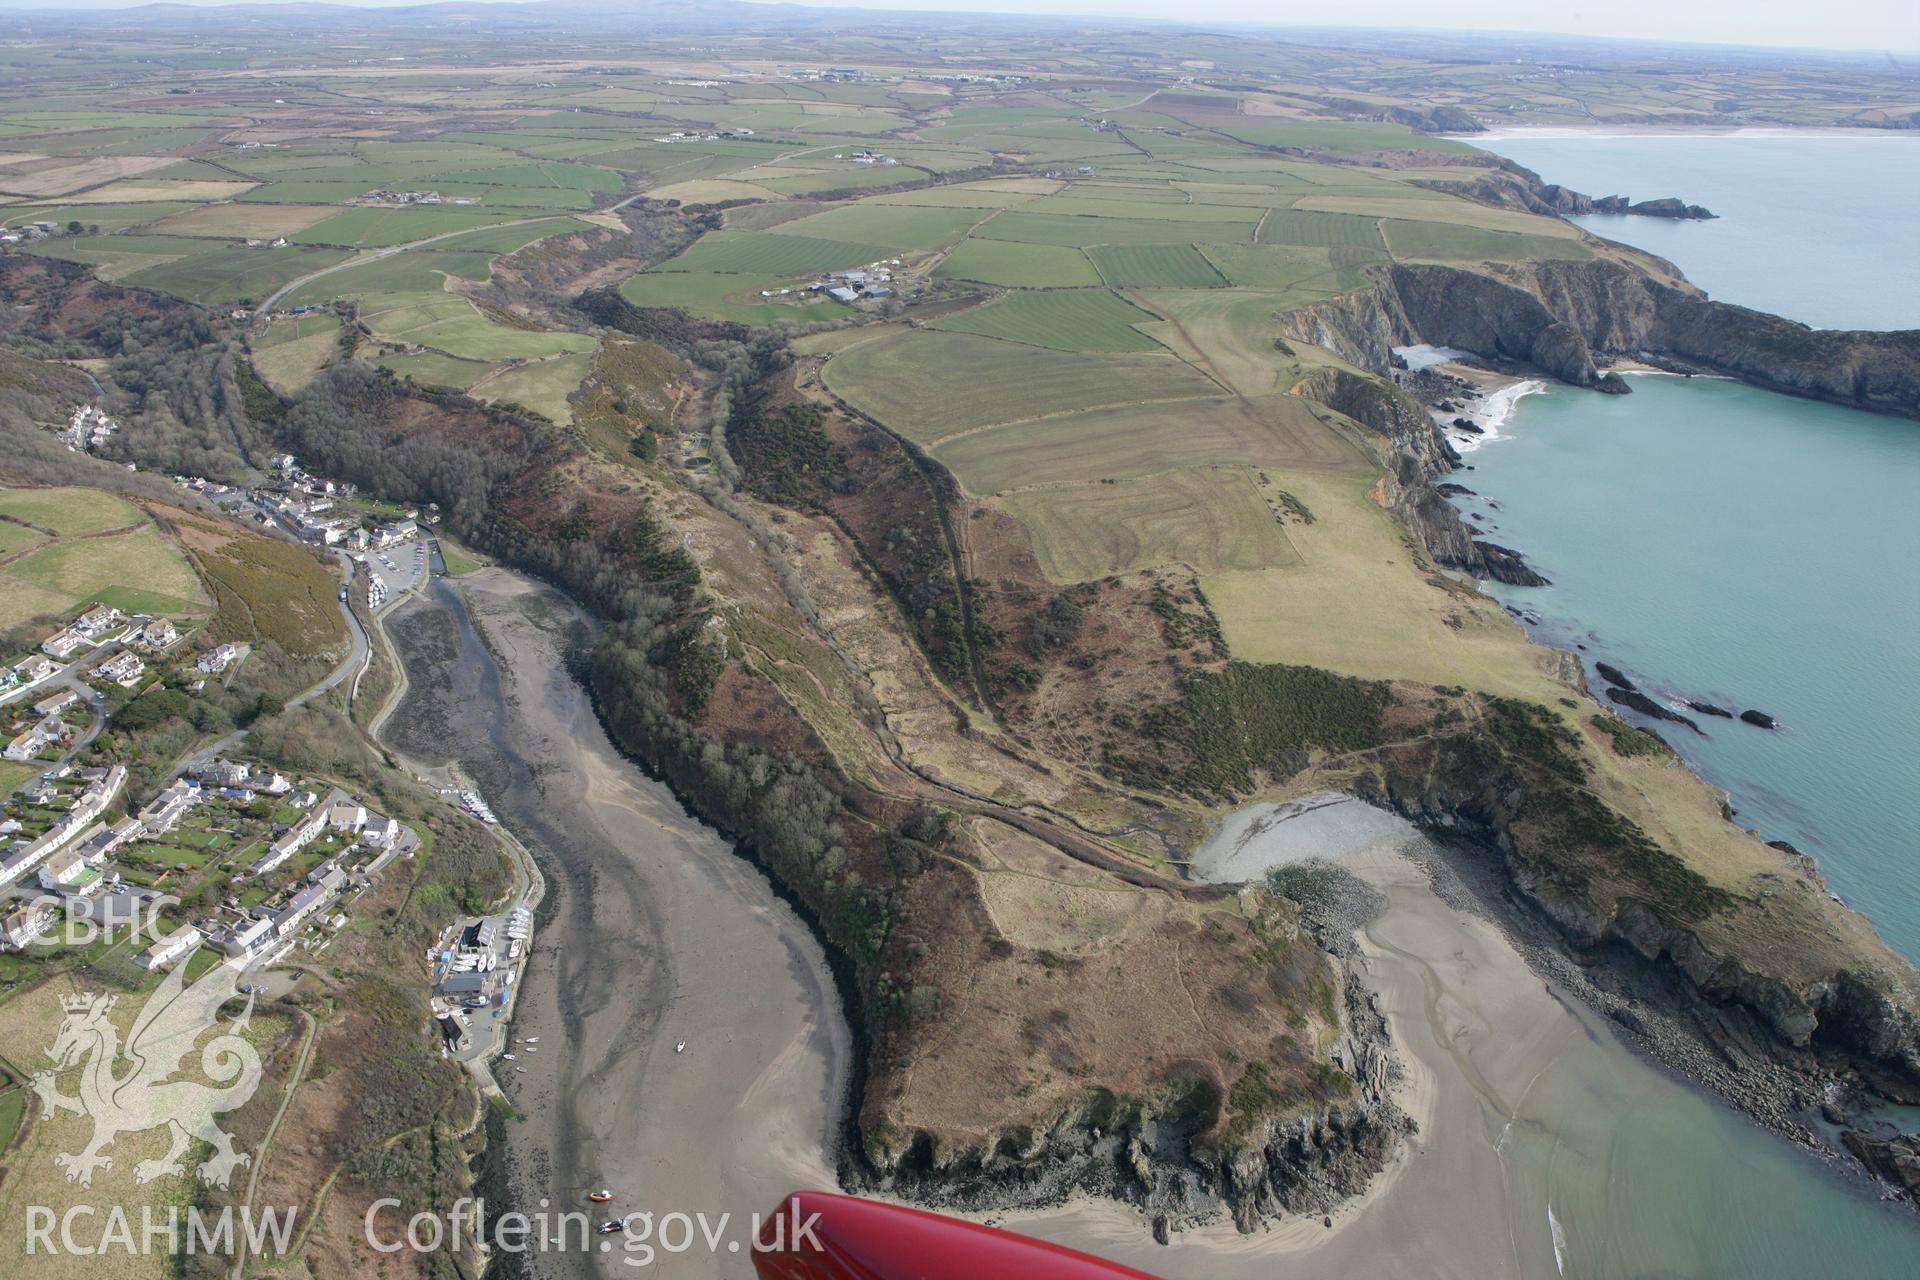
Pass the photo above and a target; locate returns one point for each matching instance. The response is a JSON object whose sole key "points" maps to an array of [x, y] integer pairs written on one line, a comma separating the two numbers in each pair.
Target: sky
{"points": [[1832, 24]]}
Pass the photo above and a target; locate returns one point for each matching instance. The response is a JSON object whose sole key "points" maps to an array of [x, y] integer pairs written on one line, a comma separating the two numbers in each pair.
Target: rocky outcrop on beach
{"points": [[1615, 676], [1894, 1159], [1554, 316]]}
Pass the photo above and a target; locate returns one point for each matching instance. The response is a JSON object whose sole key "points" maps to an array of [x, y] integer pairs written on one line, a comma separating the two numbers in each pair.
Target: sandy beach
{"points": [[1544, 1146], [654, 933], [1474, 1027]]}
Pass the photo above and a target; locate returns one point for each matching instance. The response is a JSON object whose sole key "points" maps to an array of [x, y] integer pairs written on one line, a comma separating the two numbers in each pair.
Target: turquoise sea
{"points": [[1746, 548], [1752, 550], [1823, 228]]}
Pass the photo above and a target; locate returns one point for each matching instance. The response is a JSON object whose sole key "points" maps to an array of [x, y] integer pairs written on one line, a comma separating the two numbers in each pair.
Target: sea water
{"points": [[1752, 550], [1749, 550], [1818, 227], [1744, 548]]}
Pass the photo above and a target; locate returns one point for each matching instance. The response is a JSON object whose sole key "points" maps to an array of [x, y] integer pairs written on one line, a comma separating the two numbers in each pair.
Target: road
{"points": [[354, 660], [261, 312]]}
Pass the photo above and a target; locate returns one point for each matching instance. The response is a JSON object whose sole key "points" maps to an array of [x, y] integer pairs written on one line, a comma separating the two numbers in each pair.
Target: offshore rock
{"points": [[1614, 676], [1760, 719], [1508, 566], [1630, 697]]}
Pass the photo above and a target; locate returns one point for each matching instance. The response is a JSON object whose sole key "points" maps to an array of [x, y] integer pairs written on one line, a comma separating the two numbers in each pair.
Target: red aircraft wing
{"points": [[818, 1236]]}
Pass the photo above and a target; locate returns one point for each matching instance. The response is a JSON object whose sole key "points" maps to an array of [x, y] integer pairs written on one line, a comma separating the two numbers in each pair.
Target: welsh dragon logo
{"points": [[143, 1096]]}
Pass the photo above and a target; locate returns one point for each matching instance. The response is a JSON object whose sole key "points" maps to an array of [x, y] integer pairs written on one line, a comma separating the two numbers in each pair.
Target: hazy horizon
{"points": [[1852, 25]]}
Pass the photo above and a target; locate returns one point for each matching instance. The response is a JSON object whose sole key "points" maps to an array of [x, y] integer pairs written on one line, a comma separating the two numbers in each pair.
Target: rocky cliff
{"points": [[1414, 451], [1846, 1012], [1497, 181], [1555, 315], [1170, 1156]]}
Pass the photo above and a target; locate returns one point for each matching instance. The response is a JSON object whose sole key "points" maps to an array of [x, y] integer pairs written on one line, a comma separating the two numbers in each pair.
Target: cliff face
{"points": [[1846, 1012], [1413, 451], [1555, 315], [1503, 183], [1853, 1016]]}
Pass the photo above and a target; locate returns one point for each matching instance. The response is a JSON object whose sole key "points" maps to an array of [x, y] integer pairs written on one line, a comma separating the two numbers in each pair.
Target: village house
{"points": [[54, 704], [225, 773], [159, 634], [23, 922], [66, 872], [29, 744], [97, 619], [165, 810], [62, 643], [317, 894], [124, 669], [26, 745], [244, 937], [90, 803], [182, 942], [214, 661], [99, 843], [32, 670]]}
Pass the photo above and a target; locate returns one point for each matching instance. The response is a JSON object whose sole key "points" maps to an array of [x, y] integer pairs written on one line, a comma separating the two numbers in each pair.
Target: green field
{"points": [[435, 370], [455, 328], [1019, 266], [138, 570], [894, 226], [1357, 602], [1066, 319], [108, 217], [1212, 519], [1307, 268], [771, 254], [1148, 266], [1173, 208], [927, 385], [294, 328], [1133, 440], [416, 271], [1000, 193], [542, 386], [1080, 231], [289, 366], [1290, 226], [1229, 333], [729, 297], [232, 273], [374, 228], [69, 512], [1446, 242], [243, 221]]}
